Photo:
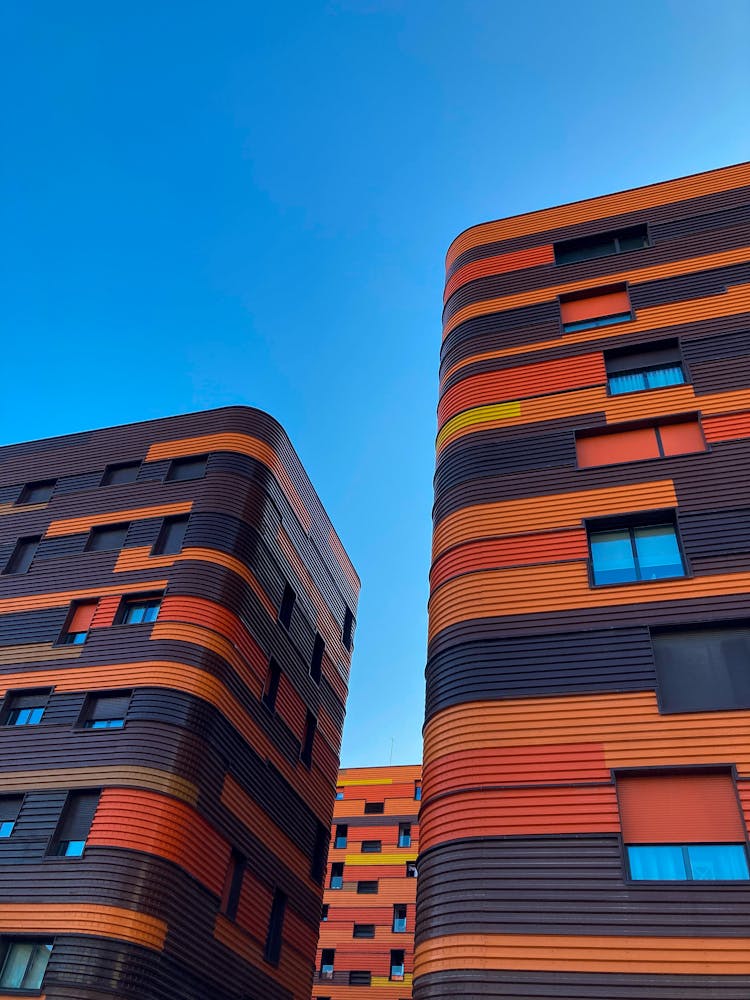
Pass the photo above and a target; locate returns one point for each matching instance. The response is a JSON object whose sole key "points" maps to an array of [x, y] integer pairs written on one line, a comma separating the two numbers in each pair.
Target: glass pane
{"points": [[632, 382], [717, 861], [6, 828], [658, 552], [134, 614], [151, 611], [37, 966], [612, 557], [657, 378], [16, 963], [662, 862], [71, 848], [636, 242]]}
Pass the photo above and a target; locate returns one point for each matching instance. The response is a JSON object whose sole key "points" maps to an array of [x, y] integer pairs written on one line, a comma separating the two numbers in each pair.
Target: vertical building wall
{"points": [[591, 392], [363, 928], [202, 871]]}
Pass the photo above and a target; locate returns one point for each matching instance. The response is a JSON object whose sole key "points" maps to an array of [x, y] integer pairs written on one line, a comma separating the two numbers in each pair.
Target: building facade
{"points": [[367, 926], [176, 623], [587, 760]]}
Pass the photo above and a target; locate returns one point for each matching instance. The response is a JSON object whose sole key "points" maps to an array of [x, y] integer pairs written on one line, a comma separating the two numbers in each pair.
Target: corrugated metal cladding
{"points": [[543, 689], [201, 877], [367, 931]]}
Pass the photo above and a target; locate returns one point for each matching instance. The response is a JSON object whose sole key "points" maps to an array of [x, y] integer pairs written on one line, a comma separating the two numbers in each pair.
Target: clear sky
{"points": [[208, 203]]}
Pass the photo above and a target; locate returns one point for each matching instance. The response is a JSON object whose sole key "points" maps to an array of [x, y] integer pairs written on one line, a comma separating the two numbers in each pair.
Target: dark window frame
{"points": [[366, 931], [101, 530], [84, 716], [316, 660], [371, 809], [360, 977], [286, 608], [162, 539], [184, 462], [19, 798], [7, 941], [663, 683], [616, 235], [234, 878], [13, 694], [347, 629], [115, 467], [404, 833], [670, 349], [629, 522], [308, 739], [14, 560], [397, 918], [275, 933], [369, 891], [271, 685], [688, 880], [27, 490], [600, 322], [130, 601], [57, 840], [371, 847], [341, 836], [337, 873]]}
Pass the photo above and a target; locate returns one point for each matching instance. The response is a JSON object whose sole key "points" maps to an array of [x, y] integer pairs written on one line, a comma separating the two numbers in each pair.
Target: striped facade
{"points": [[367, 933], [176, 618], [588, 700]]}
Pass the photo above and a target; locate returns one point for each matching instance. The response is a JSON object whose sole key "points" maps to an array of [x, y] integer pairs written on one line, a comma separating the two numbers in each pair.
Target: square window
{"points": [[139, 610], [105, 711], [22, 555], [107, 537], [78, 623], [122, 472], [702, 669], [40, 492], [23, 962], [339, 794], [626, 552], [182, 469], [171, 536], [24, 708]]}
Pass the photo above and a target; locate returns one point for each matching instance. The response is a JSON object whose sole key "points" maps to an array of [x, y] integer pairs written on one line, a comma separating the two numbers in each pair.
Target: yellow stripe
{"points": [[364, 781], [379, 859], [404, 984], [480, 414]]}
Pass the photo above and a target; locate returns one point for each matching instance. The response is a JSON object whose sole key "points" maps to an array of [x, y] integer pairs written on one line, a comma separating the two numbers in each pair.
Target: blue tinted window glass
{"points": [[718, 861], [105, 724], [337, 881], [612, 557], [71, 848], [659, 377], [587, 324], [665, 862], [632, 382], [151, 611], [658, 552], [6, 828], [134, 614]]}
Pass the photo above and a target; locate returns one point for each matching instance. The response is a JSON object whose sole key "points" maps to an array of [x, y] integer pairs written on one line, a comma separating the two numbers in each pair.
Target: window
{"points": [[10, 806], [372, 846], [107, 537], [271, 687], [347, 633], [324, 913], [305, 754], [319, 852], [316, 663], [230, 896], [418, 791], [601, 245], [624, 553], [339, 794], [105, 711], [24, 708], [411, 869], [171, 536], [360, 978], [23, 962], [287, 605], [140, 610], [342, 832], [399, 918], [337, 875], [364, 931], [646, 366], [124, 472], [181, 469], [327, 959], [22, 555], [367, 888], [272, 951], [702, 669], [37, 492], [682, 826], [404, 834], [599, 307], [397, 964], [625, 443], [79, 621], [74, 827], [372, 808]]}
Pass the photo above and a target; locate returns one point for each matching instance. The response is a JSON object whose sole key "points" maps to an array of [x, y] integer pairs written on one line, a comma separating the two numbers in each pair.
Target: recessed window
{"points": [[360, 978], [625, 443], [598, 307], [23, 962], [24, 708], [39, 492], [347, 633], [342, 833], [327, 960], [367, 888], [308, 740], [702, 669], [181, 469], [105, 711], [123, 472], [22, 555], [324, 912], [287, 605], [615, 241], [272, 950], [74, 827], [316, 663], [171, 536], [271, 687], [404, 835], [363, 931], [80, 617], [688, 862], [339, 794], [626, 553], [10, 806], [399, 918], [140, 610], [372, 846], [337, 875], [374, 808], [107, 537], [233, 878], [646, 366], [397, 964], [411, 869], [418, 791]]}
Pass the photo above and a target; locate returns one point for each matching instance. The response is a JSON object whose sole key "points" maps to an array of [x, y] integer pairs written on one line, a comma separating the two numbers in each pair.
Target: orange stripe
{"points": [[728, 426], [31, 602], [516, 260], [83, 918], [75, 525]]}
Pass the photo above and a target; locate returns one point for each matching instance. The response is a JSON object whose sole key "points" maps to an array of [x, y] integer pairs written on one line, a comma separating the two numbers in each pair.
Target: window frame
{"points": [[6, 705], [367, 928], [604, 430], [130, 600], [657, 632], [158, 548], [688, 880], [114, 467], [643, 519], [56, 841], [28, 488], [665, 345], [89, 701], [182, 461], [343, 836], [595, 323], [14, 797], [338, 874], [615, 234], [7, 941], [10, 568], [98, 530]]}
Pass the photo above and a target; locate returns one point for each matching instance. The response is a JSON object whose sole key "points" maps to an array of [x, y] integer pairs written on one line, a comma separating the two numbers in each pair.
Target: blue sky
{"points": [[215, 203]]}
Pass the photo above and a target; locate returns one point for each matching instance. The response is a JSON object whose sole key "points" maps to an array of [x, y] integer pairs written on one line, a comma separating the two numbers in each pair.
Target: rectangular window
{"points": [[316, 663], [342, 833], [397, 964], [339, 794], [418, 791], [399, 918], [182, 469], [367, 888], [171, 536], [287, 606], [624, 443], [616, 241], [373, 808], [688, 862], [645, 366], [22, 555], [404, 835], [627, 553], [347, 633], [594, 308], [80, 617], [107, 537], [702, 669], [24, 708], [139, 610], [74, 827], [364, 931], [23, 962], [360, 978], [319, 852], [308, 740], [230, 896], [105, 711], [272, 951], [324, 913], [271, 688], [40, 492], [371, 846], [123, 472], [337, 875], [327, 960], [411, 869], [10, 806]]}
